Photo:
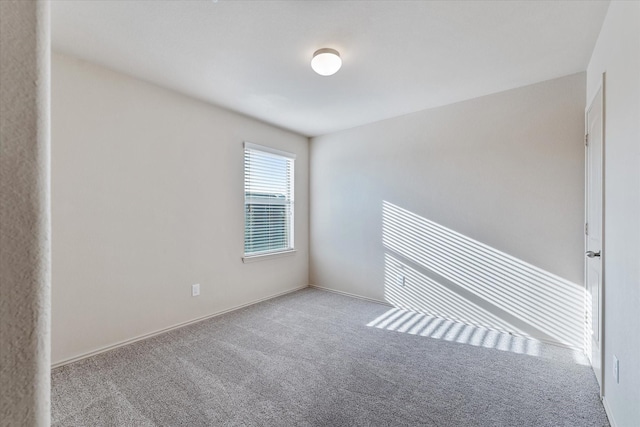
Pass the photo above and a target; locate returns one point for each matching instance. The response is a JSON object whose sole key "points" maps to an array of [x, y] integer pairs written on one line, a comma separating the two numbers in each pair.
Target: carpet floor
{"points": [[315, 358]]}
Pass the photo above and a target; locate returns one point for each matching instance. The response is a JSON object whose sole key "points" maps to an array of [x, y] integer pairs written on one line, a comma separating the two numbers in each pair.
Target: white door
{"points": [[594, 231]]}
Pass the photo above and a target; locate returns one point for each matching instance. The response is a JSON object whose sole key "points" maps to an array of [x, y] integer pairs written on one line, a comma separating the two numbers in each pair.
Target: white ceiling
{"points": [[398, 56]]}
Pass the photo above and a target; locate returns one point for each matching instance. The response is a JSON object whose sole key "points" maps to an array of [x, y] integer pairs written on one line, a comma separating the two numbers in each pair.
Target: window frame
{"points": [[290, 203]]}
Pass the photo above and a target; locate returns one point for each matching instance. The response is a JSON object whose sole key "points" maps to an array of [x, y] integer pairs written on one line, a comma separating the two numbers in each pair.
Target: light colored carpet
{"points": [[314, 358]]}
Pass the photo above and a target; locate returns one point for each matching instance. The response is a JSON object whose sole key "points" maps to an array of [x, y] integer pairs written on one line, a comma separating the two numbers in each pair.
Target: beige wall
{"points": [[617, 53], [25, 258], [478, 205], [147, 189]]}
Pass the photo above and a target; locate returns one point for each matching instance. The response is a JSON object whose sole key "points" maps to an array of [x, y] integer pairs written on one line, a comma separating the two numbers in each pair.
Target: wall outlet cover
{"points": [[195, 290], [401, 280]]}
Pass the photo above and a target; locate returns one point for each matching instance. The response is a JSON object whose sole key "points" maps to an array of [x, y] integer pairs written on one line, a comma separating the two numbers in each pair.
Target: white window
{"points": [[268, 200]]}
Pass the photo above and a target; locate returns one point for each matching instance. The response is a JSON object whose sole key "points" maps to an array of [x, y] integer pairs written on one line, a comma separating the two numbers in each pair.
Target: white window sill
{"points": [[253, 258]]}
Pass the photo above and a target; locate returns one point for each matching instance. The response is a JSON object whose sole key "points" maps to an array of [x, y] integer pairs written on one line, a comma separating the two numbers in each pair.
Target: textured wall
{"points": [[24, 214], [479, 205], [147, 199], [617, 53]]}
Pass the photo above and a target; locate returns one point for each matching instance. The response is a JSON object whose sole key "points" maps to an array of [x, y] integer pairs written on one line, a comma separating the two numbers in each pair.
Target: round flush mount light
{"points": [[326, 61]]}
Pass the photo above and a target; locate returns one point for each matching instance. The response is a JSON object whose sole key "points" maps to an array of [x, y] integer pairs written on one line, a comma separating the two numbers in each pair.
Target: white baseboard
{"points": [[170, 328], [607, 409], [335, 291]]}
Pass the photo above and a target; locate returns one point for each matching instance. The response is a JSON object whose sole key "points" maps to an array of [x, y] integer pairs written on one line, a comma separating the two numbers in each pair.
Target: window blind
{"points": [[268, 200]]}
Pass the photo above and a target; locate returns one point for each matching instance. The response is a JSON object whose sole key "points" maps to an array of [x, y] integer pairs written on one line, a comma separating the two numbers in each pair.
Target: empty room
{"points": [[319, 213]]}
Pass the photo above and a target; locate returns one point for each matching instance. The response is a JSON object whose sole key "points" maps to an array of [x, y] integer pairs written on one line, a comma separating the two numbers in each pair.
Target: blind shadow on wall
{"points": [[432, 269]]}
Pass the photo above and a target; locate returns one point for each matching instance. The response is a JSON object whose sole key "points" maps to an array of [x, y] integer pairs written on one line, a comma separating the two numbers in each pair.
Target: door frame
{"points": [[602, 317]]}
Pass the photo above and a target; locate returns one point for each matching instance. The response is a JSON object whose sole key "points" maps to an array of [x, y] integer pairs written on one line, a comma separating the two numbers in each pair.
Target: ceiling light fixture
{"points": [[326, 61]]}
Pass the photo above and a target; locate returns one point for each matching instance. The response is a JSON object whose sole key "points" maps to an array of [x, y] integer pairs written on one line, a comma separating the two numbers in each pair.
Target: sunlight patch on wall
{"points": [[451, 275], [421, 293]]}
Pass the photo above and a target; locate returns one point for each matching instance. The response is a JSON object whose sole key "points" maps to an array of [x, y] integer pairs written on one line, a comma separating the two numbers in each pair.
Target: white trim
{"points": [[170, 328], [607, 410], [593, 98], [251, 146], [601, 318], [377, 301], [262, 257]]}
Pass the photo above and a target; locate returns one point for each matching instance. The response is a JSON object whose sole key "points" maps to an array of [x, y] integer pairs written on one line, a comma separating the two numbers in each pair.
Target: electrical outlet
{"points": [[401, 280], [616, 369], [195, 290]]}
